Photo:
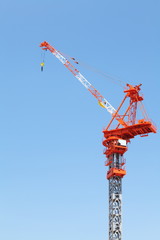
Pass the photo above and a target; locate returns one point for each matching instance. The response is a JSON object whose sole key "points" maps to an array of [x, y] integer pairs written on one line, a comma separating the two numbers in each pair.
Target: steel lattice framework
{"points": [[115, 200], [115, 208]]}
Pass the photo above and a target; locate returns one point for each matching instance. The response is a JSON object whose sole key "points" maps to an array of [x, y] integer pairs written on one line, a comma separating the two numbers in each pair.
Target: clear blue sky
{"points": [[52, 174]]}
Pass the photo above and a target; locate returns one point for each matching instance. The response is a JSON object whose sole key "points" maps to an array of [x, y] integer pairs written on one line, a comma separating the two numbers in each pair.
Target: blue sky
{"points": [[52, 174]]}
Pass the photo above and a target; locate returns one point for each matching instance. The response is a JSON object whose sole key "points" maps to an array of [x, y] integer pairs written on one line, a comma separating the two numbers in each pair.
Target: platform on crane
{"points": [[141, 128]]}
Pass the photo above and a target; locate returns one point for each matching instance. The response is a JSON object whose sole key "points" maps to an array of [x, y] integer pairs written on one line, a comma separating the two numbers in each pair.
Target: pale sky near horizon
{"points": [[52, 174]]}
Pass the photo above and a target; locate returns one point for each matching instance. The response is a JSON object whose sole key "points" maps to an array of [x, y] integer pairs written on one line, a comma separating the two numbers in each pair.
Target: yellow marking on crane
{"points": [[101, 104]]}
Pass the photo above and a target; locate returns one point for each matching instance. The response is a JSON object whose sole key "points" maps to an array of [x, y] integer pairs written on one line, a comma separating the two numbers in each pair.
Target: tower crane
{"points": [[115, 139]]}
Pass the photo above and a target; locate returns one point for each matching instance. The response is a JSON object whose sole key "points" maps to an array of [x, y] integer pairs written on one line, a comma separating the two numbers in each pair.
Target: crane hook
{"points": [[42, 65]]}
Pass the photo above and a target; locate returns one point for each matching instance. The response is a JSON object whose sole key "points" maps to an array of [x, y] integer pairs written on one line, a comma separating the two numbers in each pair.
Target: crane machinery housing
{"points": [[115, 139]]}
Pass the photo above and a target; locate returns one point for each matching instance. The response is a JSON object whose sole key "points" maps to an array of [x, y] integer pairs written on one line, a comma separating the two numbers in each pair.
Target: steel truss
{"points": [[115, 202]]}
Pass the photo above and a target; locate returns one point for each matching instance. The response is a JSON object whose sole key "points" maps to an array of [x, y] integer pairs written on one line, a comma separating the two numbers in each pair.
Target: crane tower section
{"points": [[115, 142]]}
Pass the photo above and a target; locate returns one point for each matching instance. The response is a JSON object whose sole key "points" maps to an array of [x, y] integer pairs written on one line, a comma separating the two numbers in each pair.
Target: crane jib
{"points": [[103, 102]]}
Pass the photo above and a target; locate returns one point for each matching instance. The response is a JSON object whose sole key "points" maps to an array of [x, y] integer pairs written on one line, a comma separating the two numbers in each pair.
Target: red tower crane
{"points": [[115, 139]]}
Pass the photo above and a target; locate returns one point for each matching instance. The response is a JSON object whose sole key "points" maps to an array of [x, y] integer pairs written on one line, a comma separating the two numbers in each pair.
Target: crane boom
{"points": [[101, 100]]}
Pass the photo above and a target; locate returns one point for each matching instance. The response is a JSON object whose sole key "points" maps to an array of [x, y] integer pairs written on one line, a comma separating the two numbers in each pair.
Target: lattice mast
{"points": [[115, 140]]}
